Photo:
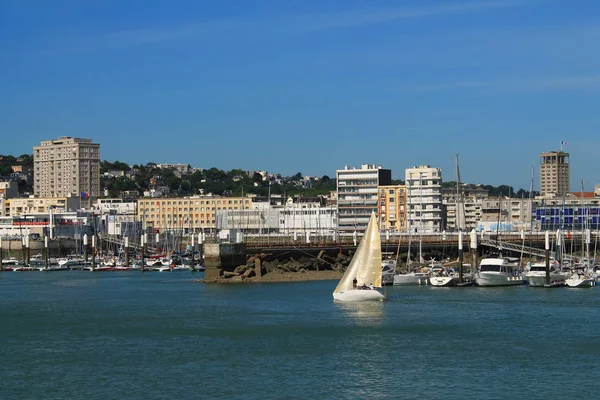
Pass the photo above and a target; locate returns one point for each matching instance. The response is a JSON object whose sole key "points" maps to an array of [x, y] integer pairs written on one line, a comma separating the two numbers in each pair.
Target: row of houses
{"points": [[420, 205]]}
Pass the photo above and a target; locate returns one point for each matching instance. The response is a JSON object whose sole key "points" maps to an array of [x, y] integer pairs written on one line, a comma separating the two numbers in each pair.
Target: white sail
{"points": [[366, 263]]}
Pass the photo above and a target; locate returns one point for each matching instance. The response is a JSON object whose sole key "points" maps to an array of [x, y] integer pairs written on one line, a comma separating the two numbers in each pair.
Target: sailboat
{"points": [[581, 276], [362, 278]]}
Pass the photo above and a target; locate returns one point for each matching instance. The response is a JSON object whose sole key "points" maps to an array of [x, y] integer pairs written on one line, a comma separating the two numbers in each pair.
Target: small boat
{"points": [[580, 278], [70, 262], [447, 276], [536, 276], [388, 270], [10, 262], [441, 276], [364, 269]]}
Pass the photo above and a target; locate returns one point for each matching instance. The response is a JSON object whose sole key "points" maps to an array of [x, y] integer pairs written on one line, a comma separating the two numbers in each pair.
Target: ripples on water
{"points": [[158, 335]]}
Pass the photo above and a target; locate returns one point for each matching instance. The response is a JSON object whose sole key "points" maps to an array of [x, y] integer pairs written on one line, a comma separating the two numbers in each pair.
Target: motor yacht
{"points": [[502, 271]]}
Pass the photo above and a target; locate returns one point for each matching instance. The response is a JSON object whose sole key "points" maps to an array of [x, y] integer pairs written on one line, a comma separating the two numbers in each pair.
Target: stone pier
{"points": [[219, 257]]}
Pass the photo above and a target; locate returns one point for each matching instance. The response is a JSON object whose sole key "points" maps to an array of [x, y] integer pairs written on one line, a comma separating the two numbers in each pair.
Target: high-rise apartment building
{"points": [[555, 175], [358, 195], [424, 190], [67, 166]]}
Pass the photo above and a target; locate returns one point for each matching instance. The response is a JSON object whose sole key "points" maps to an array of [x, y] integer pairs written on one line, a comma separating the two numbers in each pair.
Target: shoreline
{"points": [[275, 277]]}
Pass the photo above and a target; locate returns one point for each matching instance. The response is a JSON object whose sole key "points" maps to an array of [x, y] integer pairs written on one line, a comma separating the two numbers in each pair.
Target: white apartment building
{"points": [[424, 198], [66, 166], [358, 195]]}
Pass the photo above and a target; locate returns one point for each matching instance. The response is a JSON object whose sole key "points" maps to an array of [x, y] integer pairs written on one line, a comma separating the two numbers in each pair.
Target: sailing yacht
{"points": [[364, 269], [582, 273]]}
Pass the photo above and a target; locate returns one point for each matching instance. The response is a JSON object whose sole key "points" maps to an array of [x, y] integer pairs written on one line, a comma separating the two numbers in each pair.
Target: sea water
{"points": [[133, 335]]}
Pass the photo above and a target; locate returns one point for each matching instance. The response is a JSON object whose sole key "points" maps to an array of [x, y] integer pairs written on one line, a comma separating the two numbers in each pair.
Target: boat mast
{"points": [[498, 224], [583, 221], [531, 202], [459, 214]]}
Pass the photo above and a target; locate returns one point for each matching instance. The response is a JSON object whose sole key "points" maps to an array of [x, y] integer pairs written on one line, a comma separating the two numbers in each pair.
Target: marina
{"points": [[110, 334]]}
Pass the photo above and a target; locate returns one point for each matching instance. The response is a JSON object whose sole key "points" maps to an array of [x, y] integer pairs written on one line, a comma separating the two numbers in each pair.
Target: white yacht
{"points": [[536, 276], [499, 272]]}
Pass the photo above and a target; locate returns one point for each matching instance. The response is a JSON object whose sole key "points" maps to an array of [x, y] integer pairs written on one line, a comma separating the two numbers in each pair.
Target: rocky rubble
{"points": [[281, 268]]}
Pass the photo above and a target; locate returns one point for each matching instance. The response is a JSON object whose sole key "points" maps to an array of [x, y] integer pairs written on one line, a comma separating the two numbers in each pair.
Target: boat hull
{"points": [[359, 295], [580, 282], [410, 279], [540, 280], [443, 281], [498, 280]]}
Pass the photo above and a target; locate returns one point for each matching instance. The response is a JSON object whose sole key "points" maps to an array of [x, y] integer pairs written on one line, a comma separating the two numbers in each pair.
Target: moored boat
{"points": [[580, 278], [536, 275], [499, 272]]}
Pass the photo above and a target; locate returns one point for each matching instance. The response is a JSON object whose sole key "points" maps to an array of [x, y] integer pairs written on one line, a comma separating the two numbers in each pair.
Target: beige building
{"points": [[555, 175], [66, 166], [185, 213], [37, 205], [513, 214], [393, 210]]}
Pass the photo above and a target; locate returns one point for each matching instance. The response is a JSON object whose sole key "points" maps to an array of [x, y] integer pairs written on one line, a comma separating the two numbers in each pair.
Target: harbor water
{"points": [[128, 335]]}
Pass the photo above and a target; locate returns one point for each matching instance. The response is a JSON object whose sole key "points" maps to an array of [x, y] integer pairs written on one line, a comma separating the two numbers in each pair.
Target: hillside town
{"points": [[65, 190]]}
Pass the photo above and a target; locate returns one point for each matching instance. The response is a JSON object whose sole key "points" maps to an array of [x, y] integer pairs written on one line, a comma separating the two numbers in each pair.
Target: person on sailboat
{"points": [[354, 283]]}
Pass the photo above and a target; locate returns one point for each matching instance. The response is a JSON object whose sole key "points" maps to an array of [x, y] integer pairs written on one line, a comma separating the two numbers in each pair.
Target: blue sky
{"points": [[309, 86]]}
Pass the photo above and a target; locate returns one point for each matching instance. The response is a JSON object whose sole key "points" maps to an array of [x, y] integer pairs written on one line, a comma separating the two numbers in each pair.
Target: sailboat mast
{"points": [[531, 201], [460, 217], [583, 219]]}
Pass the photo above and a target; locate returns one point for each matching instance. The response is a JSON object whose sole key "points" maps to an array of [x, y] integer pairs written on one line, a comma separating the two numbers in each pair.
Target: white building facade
{"points": [[424, 199], [358, 195]]}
